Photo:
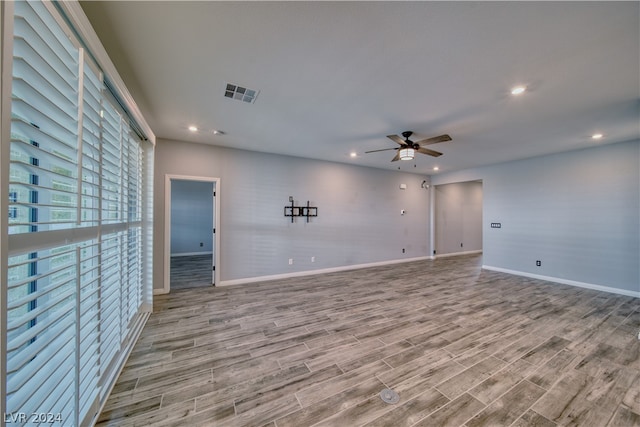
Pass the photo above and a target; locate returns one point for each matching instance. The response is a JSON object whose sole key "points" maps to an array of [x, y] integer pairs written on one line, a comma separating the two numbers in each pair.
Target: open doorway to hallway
{"points": [[191, 246]]}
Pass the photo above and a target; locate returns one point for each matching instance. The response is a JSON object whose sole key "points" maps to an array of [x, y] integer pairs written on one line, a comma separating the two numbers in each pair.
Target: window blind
{"points": [[44, 122], [78, 190]]}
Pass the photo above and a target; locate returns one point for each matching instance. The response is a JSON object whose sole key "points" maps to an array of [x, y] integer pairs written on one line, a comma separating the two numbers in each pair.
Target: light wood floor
{"points": [[460, 345]]}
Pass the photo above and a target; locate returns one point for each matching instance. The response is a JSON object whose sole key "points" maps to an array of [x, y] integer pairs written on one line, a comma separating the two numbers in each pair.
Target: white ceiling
{"points": [[337, 77]]}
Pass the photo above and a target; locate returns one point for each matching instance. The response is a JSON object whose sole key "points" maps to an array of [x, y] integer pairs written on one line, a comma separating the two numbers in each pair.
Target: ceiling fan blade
{"points": [[384, 149], [434, 140], [397, 157], [427, 151], [396, 138]]}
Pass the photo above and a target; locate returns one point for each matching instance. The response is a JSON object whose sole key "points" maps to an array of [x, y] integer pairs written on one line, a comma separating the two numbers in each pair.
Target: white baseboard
{"points": [[565, 281], [457, 254], [191, 254], [160, 291], [320, 271]]}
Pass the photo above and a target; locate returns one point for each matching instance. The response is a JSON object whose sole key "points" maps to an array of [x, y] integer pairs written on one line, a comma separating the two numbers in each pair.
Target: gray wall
{"points": [[358, 219], [458, 217], [191, 217], [577, 212]]}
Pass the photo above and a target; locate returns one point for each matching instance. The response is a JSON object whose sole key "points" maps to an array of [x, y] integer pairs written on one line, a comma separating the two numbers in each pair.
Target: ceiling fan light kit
{"points": [[407, 154], [407, 148]]}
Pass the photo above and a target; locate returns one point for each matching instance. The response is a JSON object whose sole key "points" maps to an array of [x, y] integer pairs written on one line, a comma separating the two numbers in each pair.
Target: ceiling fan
{"points": [[408, 148]]}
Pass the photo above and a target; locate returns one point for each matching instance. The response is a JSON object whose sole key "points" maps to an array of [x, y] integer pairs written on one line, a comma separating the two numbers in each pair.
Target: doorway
{"points": [[458, 218], [191, 232]]}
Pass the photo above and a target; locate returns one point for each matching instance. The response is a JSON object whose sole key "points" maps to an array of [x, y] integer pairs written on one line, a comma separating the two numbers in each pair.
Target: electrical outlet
{"points": [[290, 261], [313, 259], [539, 263], [402, 250], [201, 244]]}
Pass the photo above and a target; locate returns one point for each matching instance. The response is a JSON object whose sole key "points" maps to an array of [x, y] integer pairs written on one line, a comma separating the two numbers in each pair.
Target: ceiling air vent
{"points": [[241, 93]]}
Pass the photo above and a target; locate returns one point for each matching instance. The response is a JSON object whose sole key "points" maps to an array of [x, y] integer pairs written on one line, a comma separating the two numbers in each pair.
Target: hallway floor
{"points": [[191, 272]]}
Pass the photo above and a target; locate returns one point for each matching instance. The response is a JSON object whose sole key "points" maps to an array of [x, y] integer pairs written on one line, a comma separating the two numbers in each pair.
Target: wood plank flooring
{"points": [[191, 272], [460, 345]]}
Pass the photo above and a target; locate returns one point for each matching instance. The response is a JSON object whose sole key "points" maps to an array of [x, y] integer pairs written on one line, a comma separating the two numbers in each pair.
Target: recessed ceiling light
{"points": [[353, 154], [518, 90], [435, 168], [193, 129], [596, 136]]}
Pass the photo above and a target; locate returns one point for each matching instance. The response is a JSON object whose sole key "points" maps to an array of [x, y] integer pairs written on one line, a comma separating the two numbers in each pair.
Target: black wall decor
{"points": [[294, 211]]}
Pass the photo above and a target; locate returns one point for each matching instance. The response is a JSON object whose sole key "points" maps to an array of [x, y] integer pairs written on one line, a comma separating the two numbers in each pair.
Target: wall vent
{"points": [[241, 93]]}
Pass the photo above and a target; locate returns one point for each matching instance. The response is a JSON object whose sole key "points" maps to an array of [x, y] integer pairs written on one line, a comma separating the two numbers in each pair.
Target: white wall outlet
{"points": [[313, 259], [402, 211], [290, 261]]}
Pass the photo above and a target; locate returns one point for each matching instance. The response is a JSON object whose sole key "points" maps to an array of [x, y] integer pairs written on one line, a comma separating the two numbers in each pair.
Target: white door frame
{"points": [[167, 225]]}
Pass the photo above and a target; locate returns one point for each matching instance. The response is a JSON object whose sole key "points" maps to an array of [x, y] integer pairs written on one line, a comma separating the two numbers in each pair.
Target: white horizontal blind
{"points": [[44, 123], [76, 169], [88, 327], [41, 309], [133, 265], [91, 141], [110, 307], [112, 145], [41, 333]]}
